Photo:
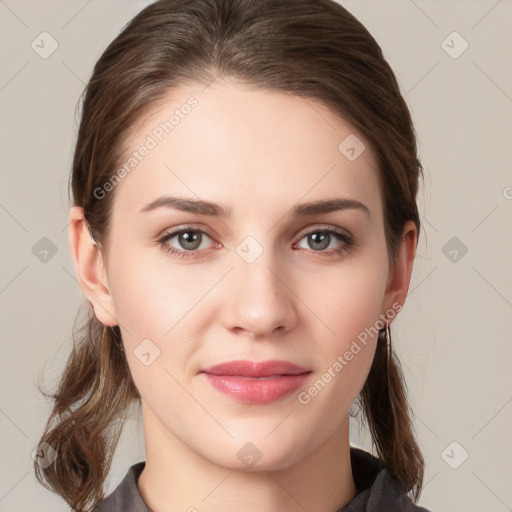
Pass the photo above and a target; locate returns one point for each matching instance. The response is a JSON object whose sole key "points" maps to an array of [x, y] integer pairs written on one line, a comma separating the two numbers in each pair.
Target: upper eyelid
{"points": [[176, 231]]}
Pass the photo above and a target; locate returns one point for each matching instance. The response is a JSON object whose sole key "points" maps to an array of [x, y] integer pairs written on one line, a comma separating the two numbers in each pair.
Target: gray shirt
{"points": [[378, 490]]}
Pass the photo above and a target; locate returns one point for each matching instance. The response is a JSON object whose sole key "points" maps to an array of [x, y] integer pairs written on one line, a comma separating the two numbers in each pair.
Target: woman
{"points": [[244, 225]]}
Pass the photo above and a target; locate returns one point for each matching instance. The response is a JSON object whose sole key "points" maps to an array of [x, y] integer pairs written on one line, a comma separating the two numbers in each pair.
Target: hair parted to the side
{"points": [[311, 49]]}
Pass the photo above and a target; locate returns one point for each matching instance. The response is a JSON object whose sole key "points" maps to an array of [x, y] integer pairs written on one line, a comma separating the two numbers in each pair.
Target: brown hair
{"points": [[312, 49]]}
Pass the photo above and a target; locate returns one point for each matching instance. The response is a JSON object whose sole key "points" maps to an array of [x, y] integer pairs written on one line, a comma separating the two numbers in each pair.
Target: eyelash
{"points": [[348, 242]]}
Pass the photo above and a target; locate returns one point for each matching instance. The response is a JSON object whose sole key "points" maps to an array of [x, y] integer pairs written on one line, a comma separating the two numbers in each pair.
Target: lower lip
{"points": [[252, 390]]}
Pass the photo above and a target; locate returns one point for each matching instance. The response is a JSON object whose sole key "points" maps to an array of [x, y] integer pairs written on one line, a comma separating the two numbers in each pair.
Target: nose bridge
{"points": [[261, 301], [257, 266]]}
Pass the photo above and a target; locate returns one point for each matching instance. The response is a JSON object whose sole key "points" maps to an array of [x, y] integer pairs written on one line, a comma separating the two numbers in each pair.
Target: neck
{"points": [[178, 478]]}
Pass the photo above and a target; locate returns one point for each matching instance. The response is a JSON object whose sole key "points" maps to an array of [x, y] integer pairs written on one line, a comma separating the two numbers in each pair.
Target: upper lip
{"points": [[244, 368]]}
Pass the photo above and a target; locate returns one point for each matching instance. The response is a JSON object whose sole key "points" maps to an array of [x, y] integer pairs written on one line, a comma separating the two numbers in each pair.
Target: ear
{"points": [[89, 267], [400, 273]]}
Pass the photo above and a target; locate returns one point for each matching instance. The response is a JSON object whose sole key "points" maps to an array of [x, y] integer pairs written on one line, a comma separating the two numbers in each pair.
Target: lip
{"points": [[243, 368], [256, 382]]}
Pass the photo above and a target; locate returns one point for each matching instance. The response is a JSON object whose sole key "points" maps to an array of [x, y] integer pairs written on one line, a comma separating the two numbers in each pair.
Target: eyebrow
{"points": [[208, 208]]}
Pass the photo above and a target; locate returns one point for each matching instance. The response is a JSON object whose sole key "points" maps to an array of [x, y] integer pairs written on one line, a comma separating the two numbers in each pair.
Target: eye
{"points": [[189, 238], [321, 238]]}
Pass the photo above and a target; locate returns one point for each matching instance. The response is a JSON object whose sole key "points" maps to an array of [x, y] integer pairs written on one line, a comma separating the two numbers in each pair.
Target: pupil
{"points": [[189, 237], [320, 238]]}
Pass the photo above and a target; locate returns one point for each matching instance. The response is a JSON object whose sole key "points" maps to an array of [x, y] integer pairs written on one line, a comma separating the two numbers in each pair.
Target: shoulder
{"points": [[378, 489], [126, 496], [385, 494]]}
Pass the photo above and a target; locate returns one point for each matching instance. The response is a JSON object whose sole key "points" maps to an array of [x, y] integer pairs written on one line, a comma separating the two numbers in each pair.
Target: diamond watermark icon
{"points": [[249, 249], [454, 455], [454, 249], [44, 250], [44, 455], [454, 45], [351, 147], [249, 454], [146, 352], [44, 45]]}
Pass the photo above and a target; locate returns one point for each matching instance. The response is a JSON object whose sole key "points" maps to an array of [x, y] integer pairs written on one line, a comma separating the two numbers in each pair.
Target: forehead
{"points": [[238, 145]]}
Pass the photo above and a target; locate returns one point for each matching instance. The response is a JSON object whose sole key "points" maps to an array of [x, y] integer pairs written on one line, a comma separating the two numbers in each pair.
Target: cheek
{"points": [[349, 300], [158, 307], [151, 295]]}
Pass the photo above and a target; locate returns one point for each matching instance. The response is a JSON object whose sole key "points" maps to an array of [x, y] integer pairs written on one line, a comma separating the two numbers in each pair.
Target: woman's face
{"points": [[249, 284]]}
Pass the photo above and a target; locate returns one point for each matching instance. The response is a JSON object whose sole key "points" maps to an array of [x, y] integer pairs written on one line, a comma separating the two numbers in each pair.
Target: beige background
{"points": [[453, 336]]}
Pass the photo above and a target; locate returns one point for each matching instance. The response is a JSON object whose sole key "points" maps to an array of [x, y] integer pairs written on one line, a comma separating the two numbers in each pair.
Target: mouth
{"points": [[256, 383]]}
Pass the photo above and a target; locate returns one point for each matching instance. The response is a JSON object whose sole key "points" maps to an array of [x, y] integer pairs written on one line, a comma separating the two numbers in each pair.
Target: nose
{"points": [[260, 300]]}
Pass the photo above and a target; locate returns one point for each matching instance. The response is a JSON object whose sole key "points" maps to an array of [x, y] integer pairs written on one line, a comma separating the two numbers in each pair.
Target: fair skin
{"points": [[258, 154]]}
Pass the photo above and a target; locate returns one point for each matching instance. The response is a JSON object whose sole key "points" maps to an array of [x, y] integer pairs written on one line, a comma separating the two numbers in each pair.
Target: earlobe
{"points": [[400, 275], [89, 267]]}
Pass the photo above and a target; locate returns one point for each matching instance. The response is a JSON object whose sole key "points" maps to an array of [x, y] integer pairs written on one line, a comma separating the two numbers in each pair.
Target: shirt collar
{"points": [[377, 489]]}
